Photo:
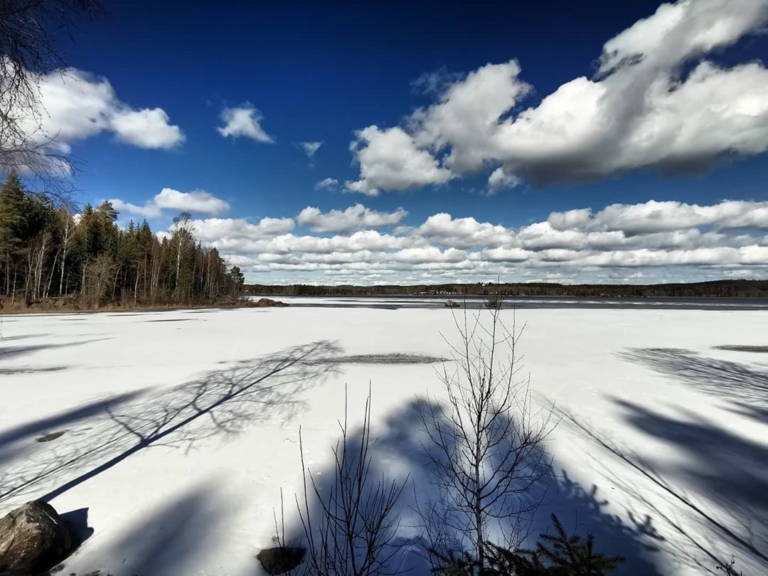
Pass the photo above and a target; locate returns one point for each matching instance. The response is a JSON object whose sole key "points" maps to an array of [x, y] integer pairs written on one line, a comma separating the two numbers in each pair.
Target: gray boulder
{"points": [[33, 539]]}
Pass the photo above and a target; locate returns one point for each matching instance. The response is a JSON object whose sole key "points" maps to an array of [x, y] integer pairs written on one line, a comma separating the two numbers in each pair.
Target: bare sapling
{"points": [[484, 442], [349, 523]]}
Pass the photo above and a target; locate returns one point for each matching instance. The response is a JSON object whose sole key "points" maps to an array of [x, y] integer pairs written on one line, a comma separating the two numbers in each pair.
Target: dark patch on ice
{"points": [[215, 309], [740, 348], [50, 436], [175, 320], [396, 358], [118, 314], [29, 370]]}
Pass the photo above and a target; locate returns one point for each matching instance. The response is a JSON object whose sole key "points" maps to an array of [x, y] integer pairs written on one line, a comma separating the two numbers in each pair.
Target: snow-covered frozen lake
{"points": [[174, 432], [527, 302]]}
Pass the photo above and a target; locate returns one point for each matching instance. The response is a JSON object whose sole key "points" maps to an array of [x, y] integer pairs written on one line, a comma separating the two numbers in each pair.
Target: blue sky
{"points": [[642, 102]]}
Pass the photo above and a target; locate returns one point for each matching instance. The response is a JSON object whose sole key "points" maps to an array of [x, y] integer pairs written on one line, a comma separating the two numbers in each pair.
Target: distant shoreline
{"points": [[49, 307], [453, 291], [422, 302], [112, 309], [416, 302], [459, 297]]}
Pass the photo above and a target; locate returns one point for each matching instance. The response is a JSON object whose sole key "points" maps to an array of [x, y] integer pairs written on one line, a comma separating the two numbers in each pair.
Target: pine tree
{"points": [[47, 252], [554, 555], [11, 206]]}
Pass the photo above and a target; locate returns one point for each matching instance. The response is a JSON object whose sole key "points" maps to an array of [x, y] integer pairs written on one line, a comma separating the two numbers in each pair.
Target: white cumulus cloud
{"points": [[675, 242], [463, 232], [353, 218], [231, 231], [310, 148], [197, 202], [147, 210], [326, 183], [390, 160], [653, 216], [244, 120], [76, 105], [146, 128], [500, 179], [656, 103]]}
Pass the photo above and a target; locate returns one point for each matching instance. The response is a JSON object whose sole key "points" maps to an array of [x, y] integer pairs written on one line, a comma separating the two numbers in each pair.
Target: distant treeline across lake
{"points": [[716, 289]]}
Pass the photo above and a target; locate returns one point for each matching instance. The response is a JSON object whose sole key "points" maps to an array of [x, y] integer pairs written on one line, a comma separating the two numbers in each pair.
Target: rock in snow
{"points": [[269, 303], [281, 559], [33, 539]]}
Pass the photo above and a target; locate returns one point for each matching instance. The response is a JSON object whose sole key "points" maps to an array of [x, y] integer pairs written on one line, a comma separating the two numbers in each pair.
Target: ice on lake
{"points": [[173, 433]]}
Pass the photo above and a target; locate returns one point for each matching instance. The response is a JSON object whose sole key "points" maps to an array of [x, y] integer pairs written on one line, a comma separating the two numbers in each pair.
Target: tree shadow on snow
{"points": [[743, 386], [12, 352], [400, 451], [11, 437], [713, 497], [221, 403], [31, 370], [171, 540], [21, 337], [721, 466], [743, 348]]}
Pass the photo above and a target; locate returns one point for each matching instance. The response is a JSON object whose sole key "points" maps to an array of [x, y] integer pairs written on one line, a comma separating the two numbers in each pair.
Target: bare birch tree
{"points": [[183, 237], [67, 224], [485, 446]]}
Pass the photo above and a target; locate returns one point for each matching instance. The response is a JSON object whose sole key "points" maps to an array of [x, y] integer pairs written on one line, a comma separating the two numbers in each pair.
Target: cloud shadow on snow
{"points": [[221, 403], [398, 451]]}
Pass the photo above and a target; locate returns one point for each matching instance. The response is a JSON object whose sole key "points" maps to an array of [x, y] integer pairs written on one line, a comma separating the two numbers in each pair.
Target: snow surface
{"points": [[181, 428]]}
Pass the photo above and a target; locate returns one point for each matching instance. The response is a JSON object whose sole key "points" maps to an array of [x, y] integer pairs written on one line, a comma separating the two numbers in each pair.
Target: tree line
{"points": [[715, 289], [50, 255]]}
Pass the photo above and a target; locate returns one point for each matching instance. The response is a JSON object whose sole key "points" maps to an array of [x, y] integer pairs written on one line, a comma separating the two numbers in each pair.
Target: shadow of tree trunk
{"points": [[713, 497], [222, 402]]}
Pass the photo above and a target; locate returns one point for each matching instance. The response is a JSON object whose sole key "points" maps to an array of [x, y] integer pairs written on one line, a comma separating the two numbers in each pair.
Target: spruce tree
{"points": [[554, 555]]}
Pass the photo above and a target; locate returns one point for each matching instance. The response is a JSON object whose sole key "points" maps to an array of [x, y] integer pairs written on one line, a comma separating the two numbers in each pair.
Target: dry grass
{"points": [[73, 305]]}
